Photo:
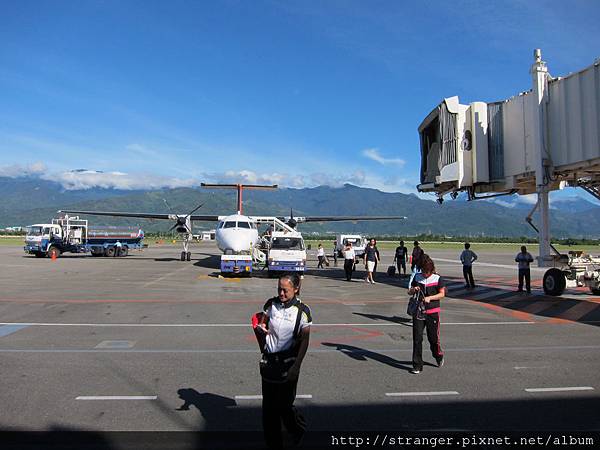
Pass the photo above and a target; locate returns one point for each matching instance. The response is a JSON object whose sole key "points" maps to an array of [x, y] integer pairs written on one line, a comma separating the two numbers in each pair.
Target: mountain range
{"points": [[27, 200]]}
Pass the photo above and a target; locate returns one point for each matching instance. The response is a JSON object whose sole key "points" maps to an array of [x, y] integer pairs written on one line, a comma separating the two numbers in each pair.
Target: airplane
{"points": [[235, 233]]}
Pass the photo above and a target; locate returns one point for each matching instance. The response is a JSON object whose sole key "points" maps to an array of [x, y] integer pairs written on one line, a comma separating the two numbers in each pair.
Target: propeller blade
{"points": [[168, 206], [174, 226], [196, 209]]}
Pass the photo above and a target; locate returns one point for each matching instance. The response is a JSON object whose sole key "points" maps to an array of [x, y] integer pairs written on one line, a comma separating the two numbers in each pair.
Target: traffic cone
{"points": [[53, 257]]}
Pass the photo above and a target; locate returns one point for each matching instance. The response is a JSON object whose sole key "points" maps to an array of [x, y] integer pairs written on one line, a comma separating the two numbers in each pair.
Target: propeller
{"points": [[292, 222], [182, 220]]}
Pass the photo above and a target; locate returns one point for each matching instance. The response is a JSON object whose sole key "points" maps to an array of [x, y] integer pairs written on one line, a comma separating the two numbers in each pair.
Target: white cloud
{"points": [[88, 179], [373, 154], [18, 170]]}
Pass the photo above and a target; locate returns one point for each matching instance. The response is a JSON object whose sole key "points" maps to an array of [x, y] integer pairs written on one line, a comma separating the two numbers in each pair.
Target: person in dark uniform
{"points": [[285, 324], [430, 286], [400, 258], [371, 257], [524, 259]]}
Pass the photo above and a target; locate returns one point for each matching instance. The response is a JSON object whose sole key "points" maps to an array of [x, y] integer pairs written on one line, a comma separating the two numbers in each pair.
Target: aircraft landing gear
{"points": [[189, 256], [183, 255]]}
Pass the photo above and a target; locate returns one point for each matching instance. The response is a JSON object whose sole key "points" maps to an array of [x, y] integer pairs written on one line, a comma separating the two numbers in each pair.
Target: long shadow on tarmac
{"points": [[360, 354], [554, 417]]}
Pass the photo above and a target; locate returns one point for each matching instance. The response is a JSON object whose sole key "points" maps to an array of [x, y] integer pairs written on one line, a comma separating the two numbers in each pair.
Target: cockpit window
{"points": [[230, 224], [286, 243], [243, 224]]}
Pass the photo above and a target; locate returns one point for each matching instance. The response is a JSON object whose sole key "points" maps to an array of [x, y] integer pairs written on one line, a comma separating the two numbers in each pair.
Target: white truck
{"points": [[287, 252], [358, 244], [73, 235]]}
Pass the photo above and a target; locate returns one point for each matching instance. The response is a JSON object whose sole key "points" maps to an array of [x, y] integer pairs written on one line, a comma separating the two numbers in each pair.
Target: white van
{"points": [[358, 244], [287, 252]]}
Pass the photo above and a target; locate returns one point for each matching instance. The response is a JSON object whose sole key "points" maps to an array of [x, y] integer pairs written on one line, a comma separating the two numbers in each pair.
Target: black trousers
{"points": [[468, 274], [401, 265], [278, 407], [432, 324], [525, 274], [321, 260], [348, 268]]}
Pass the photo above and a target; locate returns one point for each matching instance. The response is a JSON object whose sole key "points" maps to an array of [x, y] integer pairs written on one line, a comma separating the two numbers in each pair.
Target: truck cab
{"points": [[40, 237], [287, 252]]}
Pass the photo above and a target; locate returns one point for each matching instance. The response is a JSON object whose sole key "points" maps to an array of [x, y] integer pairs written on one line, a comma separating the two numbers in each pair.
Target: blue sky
{"points": [[297, 93]]}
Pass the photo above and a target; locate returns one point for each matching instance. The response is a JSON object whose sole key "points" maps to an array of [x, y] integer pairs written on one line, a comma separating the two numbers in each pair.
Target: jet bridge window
{"points": [[286, 243], [230, 224]]}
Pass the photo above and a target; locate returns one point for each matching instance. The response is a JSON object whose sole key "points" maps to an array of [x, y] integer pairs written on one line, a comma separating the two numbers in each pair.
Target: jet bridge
{"points": [[540, 140]]}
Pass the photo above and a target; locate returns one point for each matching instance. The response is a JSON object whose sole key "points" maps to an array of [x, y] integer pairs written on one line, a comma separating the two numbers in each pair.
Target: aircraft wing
{"points": [[141, 215], [345, 218]]}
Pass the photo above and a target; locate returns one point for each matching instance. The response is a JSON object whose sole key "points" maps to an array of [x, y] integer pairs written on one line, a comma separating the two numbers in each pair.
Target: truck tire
{"points": [[39, 254], [124, 251], [554, 282], [110, 251], [53, 252]]}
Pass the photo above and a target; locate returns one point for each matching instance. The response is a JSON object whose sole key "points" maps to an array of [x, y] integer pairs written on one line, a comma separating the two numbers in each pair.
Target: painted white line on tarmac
{"points": [[259, 397], [117, 397], [561, 389], [240, 325], [316, 350], [424, 394], [531, 367]]}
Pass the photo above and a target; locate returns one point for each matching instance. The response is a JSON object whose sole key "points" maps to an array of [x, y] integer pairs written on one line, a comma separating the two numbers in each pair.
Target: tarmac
{"points": [[148, 343]]}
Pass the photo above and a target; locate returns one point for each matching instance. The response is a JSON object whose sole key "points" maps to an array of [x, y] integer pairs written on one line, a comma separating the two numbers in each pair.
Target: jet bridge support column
{"points": [[539, 73]]}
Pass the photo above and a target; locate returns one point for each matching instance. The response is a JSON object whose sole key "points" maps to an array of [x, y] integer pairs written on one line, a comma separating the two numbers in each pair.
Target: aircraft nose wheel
{"points": [[189, 256], [183, 256]]}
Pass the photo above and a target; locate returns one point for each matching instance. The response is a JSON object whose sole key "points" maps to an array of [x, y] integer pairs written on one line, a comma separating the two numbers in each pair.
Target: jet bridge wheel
{"points": [[554, 282]]}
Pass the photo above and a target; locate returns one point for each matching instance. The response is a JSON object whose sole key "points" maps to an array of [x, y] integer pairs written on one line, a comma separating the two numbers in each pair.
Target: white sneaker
{"points": [[372, 282]]}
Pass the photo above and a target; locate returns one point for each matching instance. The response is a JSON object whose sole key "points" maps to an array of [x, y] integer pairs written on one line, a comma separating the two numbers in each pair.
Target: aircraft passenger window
{"points": [[243, 225], [230, 224]]}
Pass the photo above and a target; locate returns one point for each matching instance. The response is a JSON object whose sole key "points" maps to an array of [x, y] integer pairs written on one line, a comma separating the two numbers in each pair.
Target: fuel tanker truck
{"points": [[74, 235]]}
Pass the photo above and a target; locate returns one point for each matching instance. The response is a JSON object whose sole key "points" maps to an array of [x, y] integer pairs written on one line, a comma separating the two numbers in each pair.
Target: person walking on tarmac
{"points": [[283, 333], [320, 256], [371, 257], [417, 253], [467, 257], [400, 258], [524, 259], [349, 259], [431, 289]]}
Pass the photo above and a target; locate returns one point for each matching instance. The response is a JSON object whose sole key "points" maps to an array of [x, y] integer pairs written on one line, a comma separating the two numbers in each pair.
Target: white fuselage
{"points": [[236, 234]]}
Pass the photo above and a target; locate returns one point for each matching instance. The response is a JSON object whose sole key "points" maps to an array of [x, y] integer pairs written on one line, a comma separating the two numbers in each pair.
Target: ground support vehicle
{"points": [[576, 269], [287, 252], [236, 264], [74, 235], [358, 244]]}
